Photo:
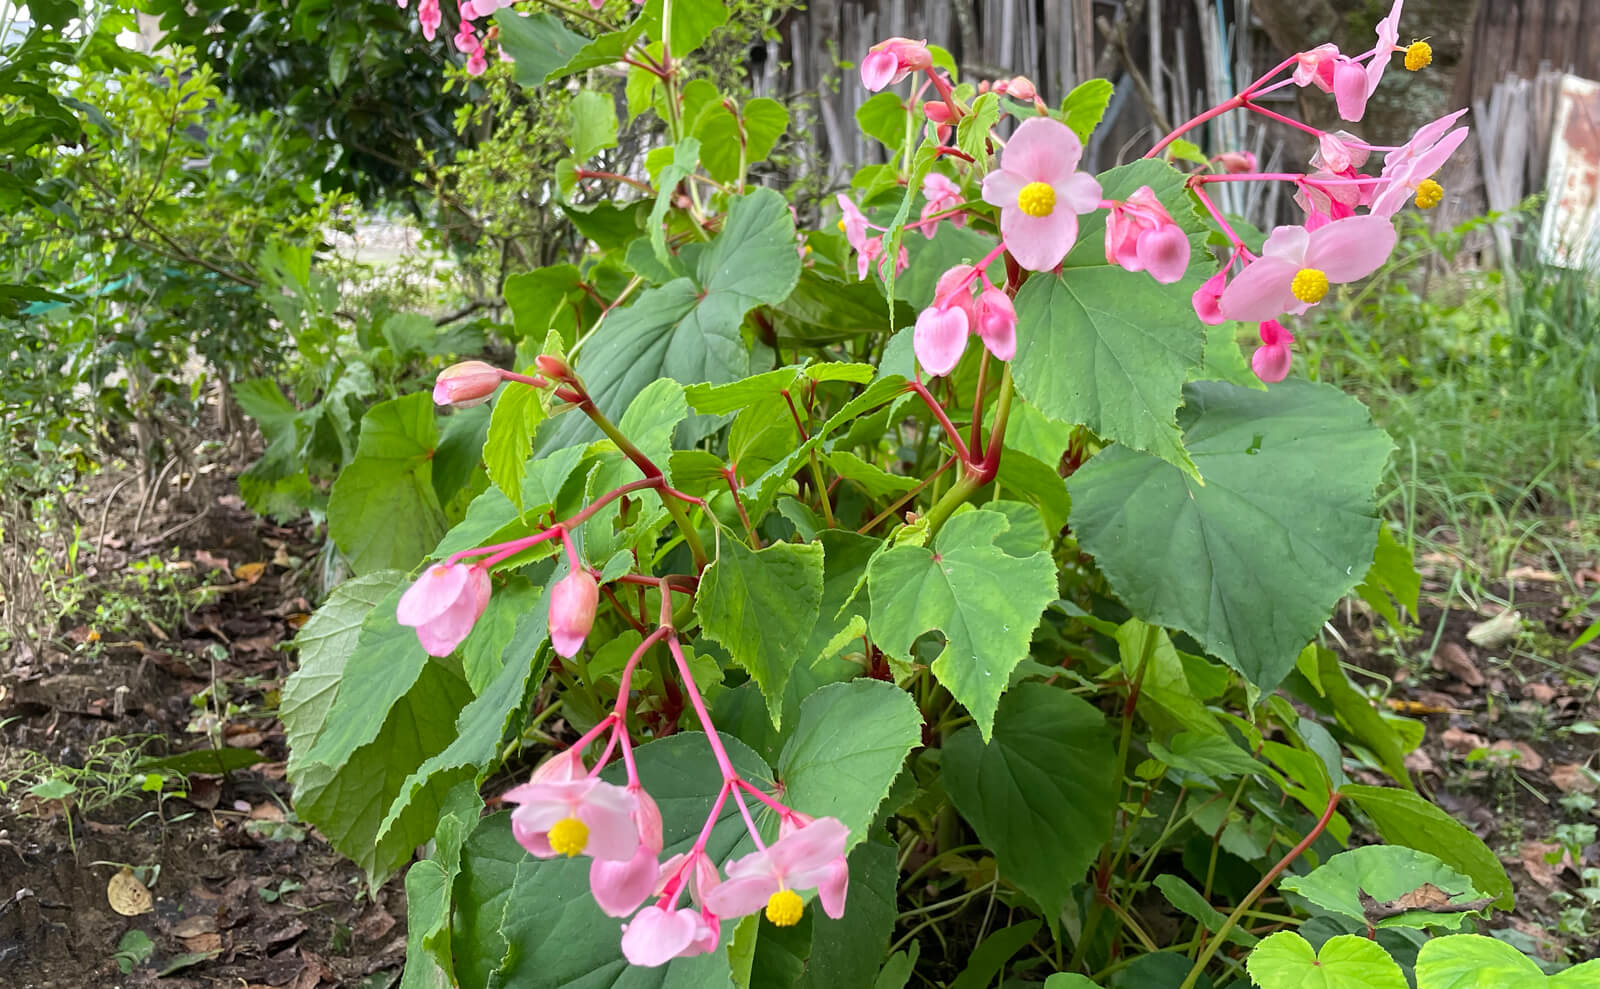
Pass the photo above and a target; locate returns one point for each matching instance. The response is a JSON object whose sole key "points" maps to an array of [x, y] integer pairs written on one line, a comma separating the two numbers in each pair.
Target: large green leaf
{"points": [[728, 142], [986, 602], [1287, 961], [539, 43], [688, 329], [693, 21], [428, 888], [761, 605], [1471, 961], [1251, 562], [848, 746], [391, 478], [1385, 873], [530, 924], [1038, 793], [1403, 818]]}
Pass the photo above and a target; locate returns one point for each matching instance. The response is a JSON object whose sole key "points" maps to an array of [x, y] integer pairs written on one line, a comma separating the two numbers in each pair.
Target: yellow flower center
{"points": [[569, 836], [1037, 199], [1429, 194], [1309, 285], [1418, 55], [841, 226], [785, 907]]}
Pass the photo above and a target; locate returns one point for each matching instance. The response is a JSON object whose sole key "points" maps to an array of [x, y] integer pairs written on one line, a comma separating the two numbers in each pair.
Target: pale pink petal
{"points": [[1260, 291], [1351, 248], [648, 816], [1206, 296], [563, 767], [1308, 64], [1038, 243], [619, 887], [1042, 150], [707, 932], [1350, 89], [572, 606], [809, 847], [432, 594], [1000, 188], [608, 811], [657, 936], [1287, 243], [878, 69], [833, 889], [939, 339], [742, 896], [997, 323], [1079, 192], [1274, 333], [1272, 362], [1165, 253]]}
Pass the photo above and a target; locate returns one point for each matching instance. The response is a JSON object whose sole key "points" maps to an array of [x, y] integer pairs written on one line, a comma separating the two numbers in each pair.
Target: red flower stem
{"points": [[675, 885], [497, 551], [504, 550], [749, 822], [593, 733], [623, 610], [1299, 178], [584, 173], [624, 685], [534, 381], [1216, 214], [1255, 894], [950, 430], [1280, 118], [621, 735], [650, 471], [729, 775], [771, 802], [1232, 103], [952, 152], [1261, 81], [976, 442], [744, 516], [605, 755]]}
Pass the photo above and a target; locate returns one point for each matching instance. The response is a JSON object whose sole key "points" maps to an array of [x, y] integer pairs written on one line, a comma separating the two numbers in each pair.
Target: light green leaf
{"points": [[1472, 961], [537, 296], [972, 131], [538, 43], [1385, 873], [594, 123], [1188, 899], [1038, 793], [390, 478], [1253, 561], [1287, 961], [1359, 715], [1403, 818], [871, 478], [1392, 579], [760, 604], [986, 603], [428, 885], [726, 140], [1085, 105], [693, 21], [883, 117]]}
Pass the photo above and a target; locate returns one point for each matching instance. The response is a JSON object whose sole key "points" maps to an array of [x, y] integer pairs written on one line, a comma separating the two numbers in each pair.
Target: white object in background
{"points": [[1570, 233]]}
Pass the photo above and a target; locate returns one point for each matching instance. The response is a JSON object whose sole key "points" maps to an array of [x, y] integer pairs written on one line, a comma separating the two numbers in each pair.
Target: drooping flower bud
{"points": [[893, 59], [443, 605], [466, 384], [1022, 88], [1237, 162], [997, 323], [572, 605], [553, 367]]}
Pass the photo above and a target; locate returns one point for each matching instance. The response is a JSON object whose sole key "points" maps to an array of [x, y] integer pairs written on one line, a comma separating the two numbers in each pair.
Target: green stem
{"points": [[975, 475], [1255, 894], [679, 515]]}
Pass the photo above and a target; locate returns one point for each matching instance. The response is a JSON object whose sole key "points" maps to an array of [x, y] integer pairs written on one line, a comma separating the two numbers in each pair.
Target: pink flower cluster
{"points": [[869, 250], [1142, 236], [942, 329]]}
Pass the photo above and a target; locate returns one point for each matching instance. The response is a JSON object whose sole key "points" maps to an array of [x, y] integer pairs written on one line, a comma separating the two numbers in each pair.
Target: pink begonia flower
{"points": [[619, 887], [1315, 67], [942, 194], [941, 331], [997, 323], [657, 935], [465, 384], [853, 223], [1405, 168], [1297, 266], [443, 605], [1142, 236], [428, 16], [1330, 201], [1237, 162], [1206, 296], [1353, 82], [810, 856], [1040, 192], [578, 816], [572, 605], [890, 61], [1339, 152], [873, 251], [1272, 359]]}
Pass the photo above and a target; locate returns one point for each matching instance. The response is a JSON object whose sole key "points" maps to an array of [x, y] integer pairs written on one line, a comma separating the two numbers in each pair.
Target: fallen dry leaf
{"points": [[249, 572], [1425, 897], [266, 812], [1420, 708], [195, 926], [1569, 777], [1541, 693], [1452, 659], [127, 895], [1529, 573], [1535, 857], [1526, 757], [1418, 761], [203, 943], [1462, 742], [1497, 631]]}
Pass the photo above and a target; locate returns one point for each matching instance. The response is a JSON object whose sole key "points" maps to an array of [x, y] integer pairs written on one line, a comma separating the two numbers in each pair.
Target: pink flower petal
{"points": [[1287, 243], [809, 847], [573, 601], [939, 339], [432, 594], [619, 887], [1042, 150], [742, 896], [1348, 249], [657, 936], [997, 323], [1350, 89], [878, 69], [1274, 333], [1080, 192], [1165, 253], [1038, 243], [1271, 363], [608, 811], [1260, 291], [834, 887], [1206, 296], [1000, 188]]}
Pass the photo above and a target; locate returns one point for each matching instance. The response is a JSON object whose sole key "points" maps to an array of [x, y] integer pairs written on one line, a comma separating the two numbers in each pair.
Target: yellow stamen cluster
{"points": [[1419, 54], [785, 907], [1429, 194], [1037, 199], [569, 836], [841, 226], [1309, 285]]}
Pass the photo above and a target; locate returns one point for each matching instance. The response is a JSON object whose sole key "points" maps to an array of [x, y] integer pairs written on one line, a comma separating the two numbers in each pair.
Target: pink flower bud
{"points": [[553, 367], [1272, 360], [1021, 88], [572, 605], [892, 60], [997, 323], [443, 605], [1206, 296], [465, 384], [937, 111], [1237, 162]]}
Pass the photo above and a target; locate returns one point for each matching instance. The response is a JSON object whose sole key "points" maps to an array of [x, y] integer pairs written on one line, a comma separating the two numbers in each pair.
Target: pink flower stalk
{"points": [[1040, 192], [941, 332], [428, 15], [1315, 67], [942, 194], [573, 601], [1142, 236], [657, 935], [1207, 296], [890, 61], [1353, 82], [811, 856], [1236, 162], [575, 816], [466, 384], [1405, 168], [1272, 359], [1297, 266], [443, 605], [619, 887]]}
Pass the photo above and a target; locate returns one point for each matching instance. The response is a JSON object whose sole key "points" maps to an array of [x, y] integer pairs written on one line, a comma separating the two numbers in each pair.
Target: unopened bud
{"points": [[553, 367], [466, 384], [1236, 162], [572, 605], [937, 111], [1021, 88]]}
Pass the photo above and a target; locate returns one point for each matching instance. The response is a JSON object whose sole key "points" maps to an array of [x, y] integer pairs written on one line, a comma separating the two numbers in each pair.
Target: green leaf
{"points": [[1403, 818], [686, 332], [848, 746], [1359, 715], [202, 761], [755, 132], [693, 21], [1385, 873], [594, 123], [871, 478], [1471, 961], [883, 117], [989, 958], [972, 131], [846, 952], [1189, 151], [390, 478], [518, 410], [428, 886], [1287, 961], [1069, 980], [325, 643], [1188, 899], [986, 603], [536, 296], [1085, 105], [759, 604], [1392, 579], [1253, 561], [845, 558], [1210, 755], [1038, 793], [539, 44], [531, 924], [604, 51]]}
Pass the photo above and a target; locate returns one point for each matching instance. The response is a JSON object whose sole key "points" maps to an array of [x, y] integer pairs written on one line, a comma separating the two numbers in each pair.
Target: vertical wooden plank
{"points": [[1082, 39]]}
